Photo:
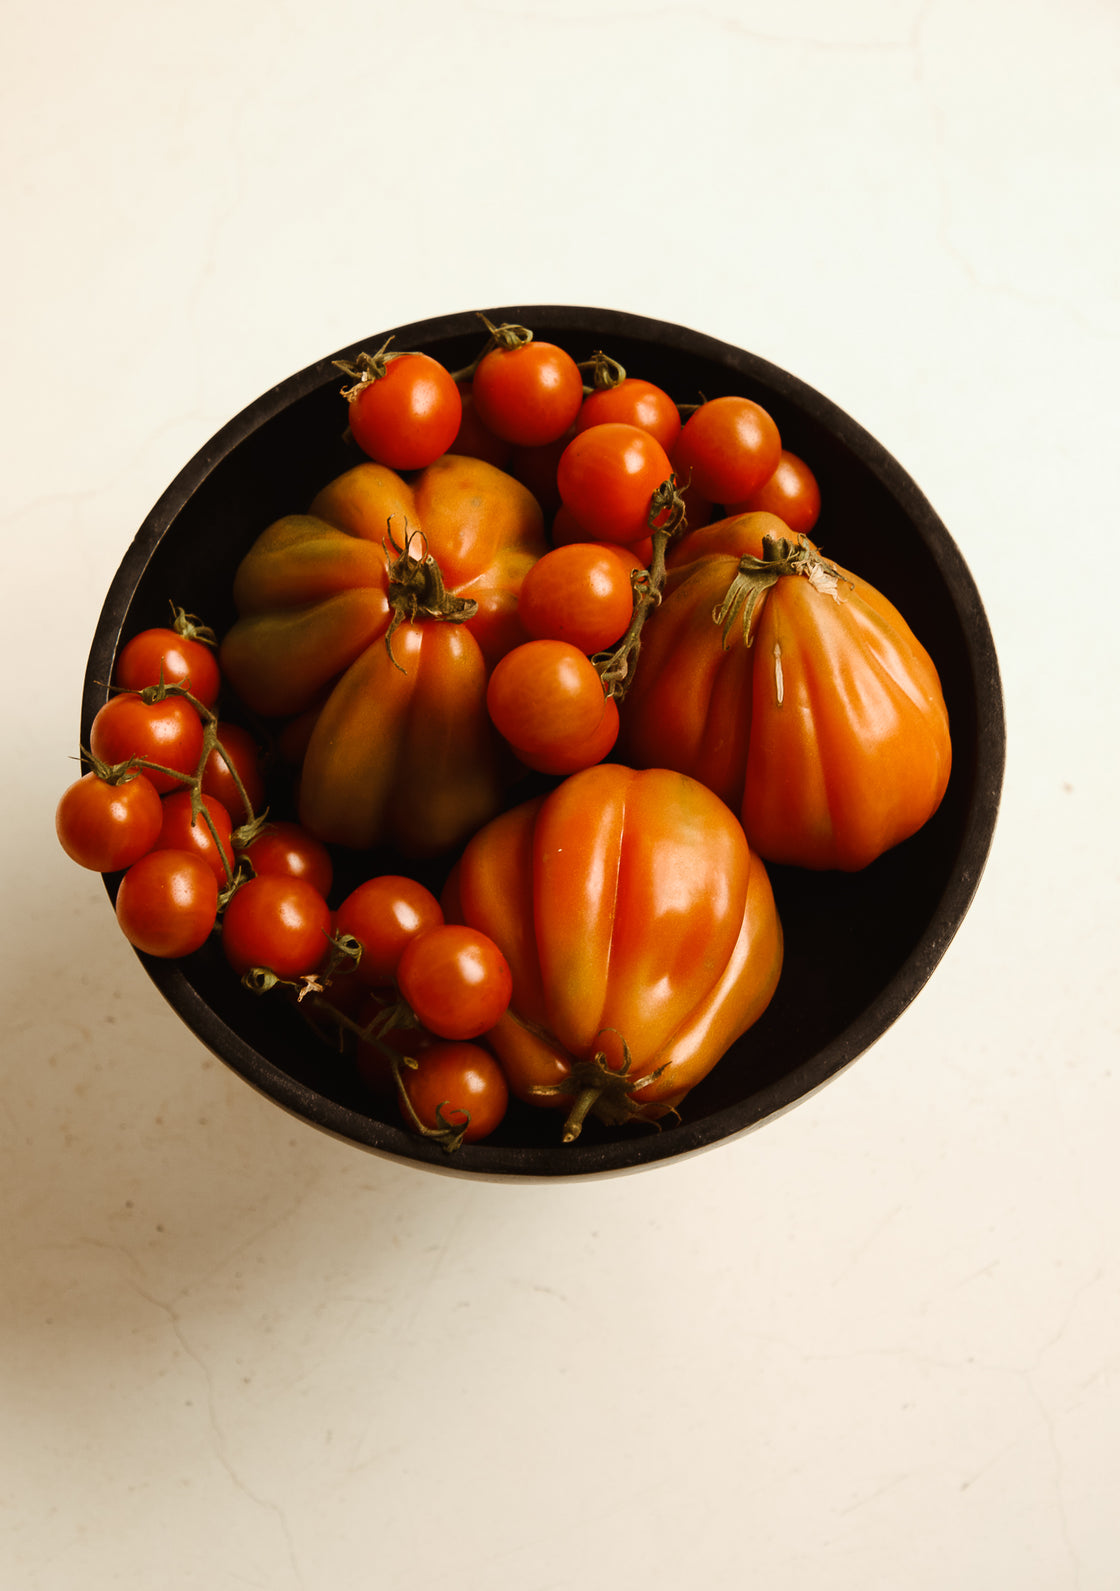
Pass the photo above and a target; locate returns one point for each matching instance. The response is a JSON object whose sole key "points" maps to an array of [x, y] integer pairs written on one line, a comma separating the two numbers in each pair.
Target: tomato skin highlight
{"points": [[168, 732], [638, 926], [288, 849], [167, 903], [163, 656], [727, 448], [607, 476], [545, 695], [456, 980], [407, 417], [106, 827], [528, 395], [578, 593], [384, 914], [280, 923]]}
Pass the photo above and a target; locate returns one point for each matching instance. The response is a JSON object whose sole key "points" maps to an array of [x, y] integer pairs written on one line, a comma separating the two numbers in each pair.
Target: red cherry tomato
{"points": [[383, 915], [280, 923], [567, 528], [106, 826], [179, 833], [406, 417], [167, 903], [167, 732], [163, 656], [571, 756], [529, 394], [578, 593], [288, 849], [633, 402], [456, 980], [791, 492], [458, 1085], [727, 448], [218, 780], [545, 696], [607, 477]]}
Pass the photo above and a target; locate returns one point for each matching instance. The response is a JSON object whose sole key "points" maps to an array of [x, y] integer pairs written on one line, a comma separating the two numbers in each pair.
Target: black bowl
{"points": [[859, 947]]}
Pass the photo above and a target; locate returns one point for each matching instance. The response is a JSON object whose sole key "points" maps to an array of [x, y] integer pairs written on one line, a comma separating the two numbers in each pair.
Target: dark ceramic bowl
{"points": [[858, 947]]}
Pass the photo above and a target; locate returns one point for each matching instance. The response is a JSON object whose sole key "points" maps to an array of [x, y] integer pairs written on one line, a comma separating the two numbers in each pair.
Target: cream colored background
{"points": [[874, 1345]]}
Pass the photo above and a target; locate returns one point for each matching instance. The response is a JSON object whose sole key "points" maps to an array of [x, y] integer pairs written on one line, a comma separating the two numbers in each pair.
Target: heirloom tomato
{"points": [[381, 612], [794, 690], [641, 934]]}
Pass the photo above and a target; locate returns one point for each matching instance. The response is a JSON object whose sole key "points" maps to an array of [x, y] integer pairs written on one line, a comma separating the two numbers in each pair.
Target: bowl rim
{"points": [[582, 1160]]}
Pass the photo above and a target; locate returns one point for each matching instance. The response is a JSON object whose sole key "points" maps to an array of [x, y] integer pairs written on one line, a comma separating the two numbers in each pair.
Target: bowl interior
{"points": [[858, 946]]}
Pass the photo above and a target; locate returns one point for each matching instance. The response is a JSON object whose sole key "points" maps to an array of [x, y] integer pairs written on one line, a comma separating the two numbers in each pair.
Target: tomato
{"points": [[640, 931], [578, 593], [633, 402], [335, 622], [727, 448], [566, 528], [459, 1086], [183, 831], [167, 732], [569, 756], [828, 733], [280, 923], [288, 849], [455, 979], [405, 409], [383, 915], [607, 477], [474, 440], [106, 826], [239, 754], [545, 695], [165, 657], [167, 903], [529, 394], [791, 492]]}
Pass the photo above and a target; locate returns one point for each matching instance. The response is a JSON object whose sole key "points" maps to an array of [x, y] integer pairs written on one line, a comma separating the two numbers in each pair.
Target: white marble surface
{"points": [[874, 1345]]}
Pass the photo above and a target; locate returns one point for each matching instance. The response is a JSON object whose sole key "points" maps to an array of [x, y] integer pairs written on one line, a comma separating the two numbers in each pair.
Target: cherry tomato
{"points": [[456, 980], [288, 849], [406, 417], [633, 402], [180, 833], [218, 780], [167, 732], [163, 656], [545, 696], [571, 756], [727, 448], [791, 492], [167, 903], [530, 394], [280, 923], [463, 1084], [577, 593], [383, 915], [567, 528], [607, 477], [106, 826]]}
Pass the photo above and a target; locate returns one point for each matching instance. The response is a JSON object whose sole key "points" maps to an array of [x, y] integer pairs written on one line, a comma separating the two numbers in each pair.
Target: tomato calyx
{"points": [[604, 371], [417, 591], [754, 577], [666, 521], [600, 1090], [365, 369], [191, 627]]}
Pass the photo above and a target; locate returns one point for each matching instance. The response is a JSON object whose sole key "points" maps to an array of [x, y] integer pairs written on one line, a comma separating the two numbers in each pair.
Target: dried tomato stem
{"points": [[507, 335], [754, 577], [605, 372], [416, 591], [616, 667]]}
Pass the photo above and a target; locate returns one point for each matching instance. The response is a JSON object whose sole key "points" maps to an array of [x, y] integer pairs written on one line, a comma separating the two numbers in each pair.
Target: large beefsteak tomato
{"points": [[793, 689], [641, 933], [379, 615]]}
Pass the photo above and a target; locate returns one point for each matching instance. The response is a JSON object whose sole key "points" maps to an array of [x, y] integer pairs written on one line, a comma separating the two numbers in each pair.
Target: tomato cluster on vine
{"points": [[470, 604]]}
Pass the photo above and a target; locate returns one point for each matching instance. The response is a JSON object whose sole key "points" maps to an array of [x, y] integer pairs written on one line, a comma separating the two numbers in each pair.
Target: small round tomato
{"points": [[578, 593], [633, 402], [456, 980], [458, 1086], [288, 849], [727, 448], [280, 923], [545, 696], [164, 657], [571, 756], [183, 831], [405, 411], [167, 903], [791, 492], [383, 915], [529, 394], [607, 477], [167, 732], [240, 749], [567, 528], [106, 826]]}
